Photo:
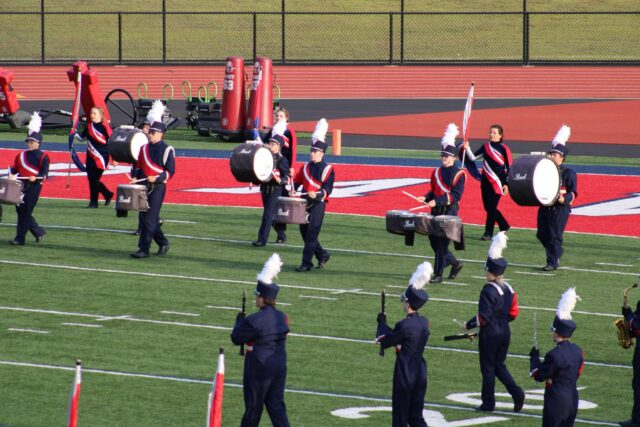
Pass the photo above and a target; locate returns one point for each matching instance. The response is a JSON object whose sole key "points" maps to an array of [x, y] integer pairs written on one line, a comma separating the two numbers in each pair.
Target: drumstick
{"points": [[419, 207], [138, 180], [410, 195], [27, 177]]}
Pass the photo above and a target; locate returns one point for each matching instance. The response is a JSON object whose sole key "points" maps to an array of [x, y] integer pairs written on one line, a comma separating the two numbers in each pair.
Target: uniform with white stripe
{"points": [[155, 159], [317, 177], [498, 305], [97, 135], [447, 187], [26, 164]]}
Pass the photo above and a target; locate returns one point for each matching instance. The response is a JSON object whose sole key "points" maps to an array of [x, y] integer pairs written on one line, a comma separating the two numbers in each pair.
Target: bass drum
{"points": [[251, 162], [534, 181], [125, 142]]}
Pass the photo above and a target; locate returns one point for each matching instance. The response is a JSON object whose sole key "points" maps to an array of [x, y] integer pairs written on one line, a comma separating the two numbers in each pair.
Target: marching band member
{"points": [[560, 368], [447, 186], [97, 134], [409, 336], [316, 178], [33, 165], [265, 363], [155, 165], [271, 191], [633, 319], [497, 307], [497, 160], [552, 220]]}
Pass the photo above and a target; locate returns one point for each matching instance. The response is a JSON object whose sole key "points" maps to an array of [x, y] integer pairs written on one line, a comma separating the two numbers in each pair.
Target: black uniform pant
{"points": [[635, 413], [443, 257], [310, 233], [94, 173], [490, 202], [264, 386], [149, 226], [560, 406], [493, 353], [270, 202], [551, 224], [26, 221], [409, 388]]}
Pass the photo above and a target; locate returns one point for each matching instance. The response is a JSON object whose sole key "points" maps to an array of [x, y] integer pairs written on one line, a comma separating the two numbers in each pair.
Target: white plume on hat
{"points": [[498, 244], [320, 133], [35, 123], [270, 270], [421, 276], [562, 136], [450, 134], [567, 304], [279, 128], [156, 112]]}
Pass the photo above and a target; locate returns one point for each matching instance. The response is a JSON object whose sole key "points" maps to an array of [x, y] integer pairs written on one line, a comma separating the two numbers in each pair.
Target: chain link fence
{"points": [[328, 32]]}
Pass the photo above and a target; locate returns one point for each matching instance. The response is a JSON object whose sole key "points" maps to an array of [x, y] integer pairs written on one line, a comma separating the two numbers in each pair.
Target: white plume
{"points": [[279, 128], [567, 304], [498, 243], [35, 123], [450, 134], [156, 112], [562, 136], [270, 270], [320, 132], [422, 275]]}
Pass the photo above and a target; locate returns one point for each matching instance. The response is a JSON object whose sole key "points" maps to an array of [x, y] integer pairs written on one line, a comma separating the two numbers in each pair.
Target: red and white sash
{"points": [[96, 135], [439, 187], [24, 167], [309, 183], [96, 156], [148, 166]]}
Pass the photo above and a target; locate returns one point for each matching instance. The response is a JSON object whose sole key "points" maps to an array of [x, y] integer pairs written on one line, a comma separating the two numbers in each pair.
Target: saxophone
{"points": [[623, 328]]}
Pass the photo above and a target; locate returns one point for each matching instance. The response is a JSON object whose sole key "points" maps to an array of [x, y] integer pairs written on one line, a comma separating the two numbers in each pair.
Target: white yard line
{"points": [[317, 297], [83, 325], [180, 313], [34, 331], [288, 390], [613, 264], [222, 307]]}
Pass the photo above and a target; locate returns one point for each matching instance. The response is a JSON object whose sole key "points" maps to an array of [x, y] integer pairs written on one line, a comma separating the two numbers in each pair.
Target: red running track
{"points": [[331, 82]]}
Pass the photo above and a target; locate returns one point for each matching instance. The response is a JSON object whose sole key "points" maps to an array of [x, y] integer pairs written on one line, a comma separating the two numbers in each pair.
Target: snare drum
{"points": [[10, 191], [132, 197], [423, 223], [251, 162], [125, 142], [448, 226], [401, 222], [292, 210], [534, 181]]}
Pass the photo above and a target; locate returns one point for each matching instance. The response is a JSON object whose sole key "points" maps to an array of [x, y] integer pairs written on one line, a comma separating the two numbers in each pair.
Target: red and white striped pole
{"points": [[214, 406], [74, 396]]}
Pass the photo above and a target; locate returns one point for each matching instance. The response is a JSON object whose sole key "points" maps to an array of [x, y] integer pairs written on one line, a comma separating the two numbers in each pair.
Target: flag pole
{"points": [[466, 119], [74, 397]]}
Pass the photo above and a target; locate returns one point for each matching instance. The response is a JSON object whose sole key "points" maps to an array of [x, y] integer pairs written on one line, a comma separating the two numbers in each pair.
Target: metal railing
{"points": [[291, 37]]}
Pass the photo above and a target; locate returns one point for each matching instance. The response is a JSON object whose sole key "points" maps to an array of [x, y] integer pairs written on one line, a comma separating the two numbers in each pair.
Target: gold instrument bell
{"points": [[623, 328]]}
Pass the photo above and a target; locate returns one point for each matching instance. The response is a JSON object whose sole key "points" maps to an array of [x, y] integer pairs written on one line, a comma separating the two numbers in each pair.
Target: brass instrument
{"points": [[623, 328]]}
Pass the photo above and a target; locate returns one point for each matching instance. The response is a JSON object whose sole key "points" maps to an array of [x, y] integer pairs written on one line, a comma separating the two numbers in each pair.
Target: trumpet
{"points": [[623, 327]]}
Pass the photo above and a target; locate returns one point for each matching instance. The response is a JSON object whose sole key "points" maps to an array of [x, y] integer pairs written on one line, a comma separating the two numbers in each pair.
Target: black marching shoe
{"points": [[486, 237], [629, 423], [107, 199], [483, 409], [281, 241], [40, 237], [518, 403], [139, 254], [324, 261], [549, 267], [93, 205], [436, 279], [162, 250], [455, 269], [15, 242], [258, 243], [303, 268]]}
